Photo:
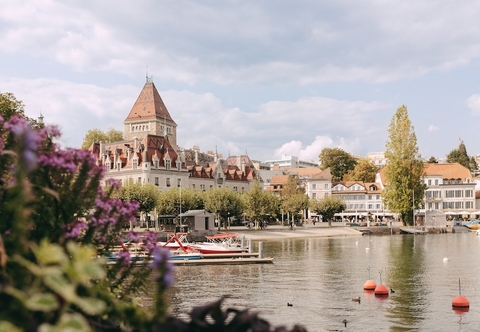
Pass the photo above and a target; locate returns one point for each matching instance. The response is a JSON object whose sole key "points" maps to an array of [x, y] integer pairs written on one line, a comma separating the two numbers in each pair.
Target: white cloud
{"points": [[311, 151], [75, 108], [473, 103], [433, 128], [228, 43]]}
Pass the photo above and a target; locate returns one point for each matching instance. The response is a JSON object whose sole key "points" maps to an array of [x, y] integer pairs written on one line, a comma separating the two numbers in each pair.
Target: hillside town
{"points": [[150, 154]]}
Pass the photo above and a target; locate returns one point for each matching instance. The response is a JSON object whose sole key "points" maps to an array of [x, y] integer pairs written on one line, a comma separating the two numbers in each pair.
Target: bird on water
{"points": [[356, 299], [289, 305]]}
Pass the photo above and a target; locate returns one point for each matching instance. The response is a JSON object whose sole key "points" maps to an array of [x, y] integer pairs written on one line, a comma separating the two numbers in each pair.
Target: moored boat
{"points": [[474, 225], [179, 255], [219, 244], [173, 244]]}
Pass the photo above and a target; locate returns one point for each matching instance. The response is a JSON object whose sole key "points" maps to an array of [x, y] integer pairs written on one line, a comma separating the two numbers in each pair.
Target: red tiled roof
{"points": [[149, 105]]}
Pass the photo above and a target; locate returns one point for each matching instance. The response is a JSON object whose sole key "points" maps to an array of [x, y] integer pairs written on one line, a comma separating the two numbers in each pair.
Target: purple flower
{"points": [[75, 229], [113, 183], [124, 257], [134, 237], [150, 241], [27, 141], [163, 267]]}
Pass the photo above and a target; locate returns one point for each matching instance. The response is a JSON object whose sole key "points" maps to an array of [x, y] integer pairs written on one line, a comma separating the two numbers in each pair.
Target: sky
{"points": [[265, 78]]}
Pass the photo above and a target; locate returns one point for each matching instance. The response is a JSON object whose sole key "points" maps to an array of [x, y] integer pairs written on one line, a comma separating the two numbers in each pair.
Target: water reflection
{"points": [[319, 277]]}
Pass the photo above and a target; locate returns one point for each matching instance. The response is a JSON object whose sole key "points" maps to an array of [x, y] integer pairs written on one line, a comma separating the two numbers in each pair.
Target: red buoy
{"points": [[460, 301], [369, 285], [381, 290]]}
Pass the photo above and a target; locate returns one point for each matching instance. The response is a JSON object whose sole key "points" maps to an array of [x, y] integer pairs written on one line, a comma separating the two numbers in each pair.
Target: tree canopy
{"points": [[223, 203], [98, 135], [365, 171], [327, 207], [339, 162], [404, 186], [146, 195], [460, 155], [258, 204], [172, 202]]}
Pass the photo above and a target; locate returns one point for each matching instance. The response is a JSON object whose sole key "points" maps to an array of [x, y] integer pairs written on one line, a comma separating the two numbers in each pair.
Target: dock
{"points": [[412, 230], [224, 261]]}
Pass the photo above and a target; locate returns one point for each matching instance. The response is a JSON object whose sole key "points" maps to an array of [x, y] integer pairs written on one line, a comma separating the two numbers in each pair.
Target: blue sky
{"points": [[263, 77]]}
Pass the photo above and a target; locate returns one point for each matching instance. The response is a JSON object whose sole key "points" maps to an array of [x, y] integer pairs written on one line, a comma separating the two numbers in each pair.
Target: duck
{"points": [[345, 322], [356, 299], [289, 305], [392, 291]]}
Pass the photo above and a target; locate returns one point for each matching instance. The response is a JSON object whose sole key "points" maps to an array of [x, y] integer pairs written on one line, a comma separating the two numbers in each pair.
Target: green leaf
{"points": [[42, 302], [48, 253], [91, 306], [8, 327], [67, 323], [84, 267], [61, 286]]}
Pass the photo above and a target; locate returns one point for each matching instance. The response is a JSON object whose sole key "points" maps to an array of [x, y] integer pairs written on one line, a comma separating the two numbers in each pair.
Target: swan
{"points": [[445, 260]]}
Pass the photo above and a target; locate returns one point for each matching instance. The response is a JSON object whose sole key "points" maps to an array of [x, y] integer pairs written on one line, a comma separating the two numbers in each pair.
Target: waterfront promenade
{"points": [[278, 232]]}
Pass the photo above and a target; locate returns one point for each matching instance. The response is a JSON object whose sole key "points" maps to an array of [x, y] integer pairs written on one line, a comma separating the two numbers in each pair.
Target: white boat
{"points": [[219, 244], [173, 244], [180, 255]]}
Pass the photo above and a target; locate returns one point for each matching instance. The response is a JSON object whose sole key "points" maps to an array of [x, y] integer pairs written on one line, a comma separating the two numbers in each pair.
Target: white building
{"points": [[291, 162]]}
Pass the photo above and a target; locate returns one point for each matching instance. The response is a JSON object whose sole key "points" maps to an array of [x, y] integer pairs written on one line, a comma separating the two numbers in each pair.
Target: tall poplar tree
{"points": [[404, 186]]}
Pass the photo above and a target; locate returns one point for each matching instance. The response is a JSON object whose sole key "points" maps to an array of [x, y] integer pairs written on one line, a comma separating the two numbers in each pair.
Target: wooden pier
{"points": [[225, 259]]}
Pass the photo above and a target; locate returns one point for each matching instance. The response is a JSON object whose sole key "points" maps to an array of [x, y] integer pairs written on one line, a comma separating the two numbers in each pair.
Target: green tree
{"points": [[460, 155], [327, 207], [339, 162], [290, 201], [293, 186], [295, 203], [272, 204], [98, 135], [253, 203], [224, 203], [257, 204], [432, 160], [365, 171], [146, 195], [170, 202], [404, 186], [10, 106]]}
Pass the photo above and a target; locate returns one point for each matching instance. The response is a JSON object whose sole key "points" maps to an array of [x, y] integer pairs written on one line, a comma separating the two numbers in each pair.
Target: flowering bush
{"points": [[58, 226], [55, 218]]}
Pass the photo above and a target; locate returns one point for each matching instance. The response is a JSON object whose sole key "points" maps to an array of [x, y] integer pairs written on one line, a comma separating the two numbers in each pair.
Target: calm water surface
{"points": [[321, 276]]}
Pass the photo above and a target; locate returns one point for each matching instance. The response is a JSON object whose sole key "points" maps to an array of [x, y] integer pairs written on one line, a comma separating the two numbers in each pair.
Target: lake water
{"points": [[320, 276]]}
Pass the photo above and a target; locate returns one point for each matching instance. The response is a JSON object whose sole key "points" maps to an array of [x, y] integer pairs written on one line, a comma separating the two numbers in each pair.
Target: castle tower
{"points": [[149, 115]]}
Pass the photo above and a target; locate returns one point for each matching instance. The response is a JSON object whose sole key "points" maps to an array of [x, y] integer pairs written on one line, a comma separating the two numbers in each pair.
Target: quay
{"points": [[224, 261]]}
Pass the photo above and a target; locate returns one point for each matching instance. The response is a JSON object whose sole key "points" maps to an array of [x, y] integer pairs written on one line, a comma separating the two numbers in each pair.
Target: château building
{"points": [[150, 153]]}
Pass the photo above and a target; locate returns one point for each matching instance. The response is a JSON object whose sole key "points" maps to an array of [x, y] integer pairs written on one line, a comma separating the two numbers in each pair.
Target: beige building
{"points": [[150, 154]]}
